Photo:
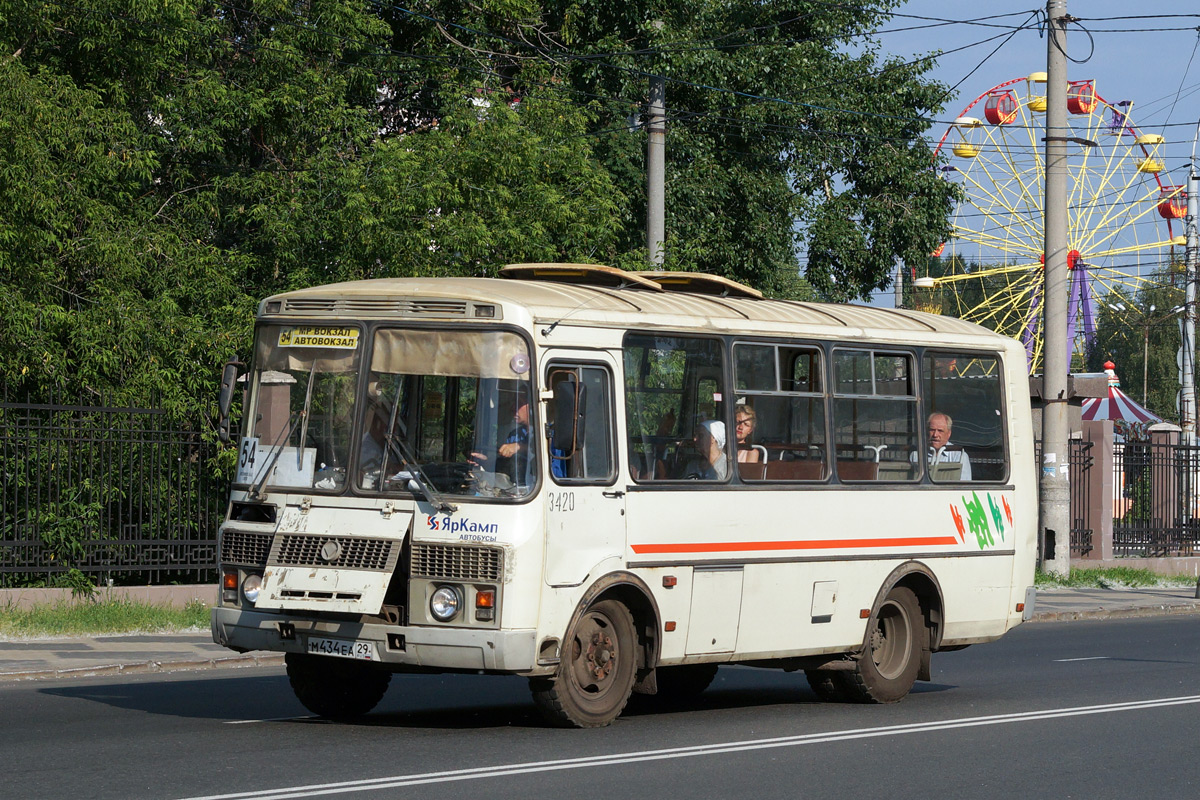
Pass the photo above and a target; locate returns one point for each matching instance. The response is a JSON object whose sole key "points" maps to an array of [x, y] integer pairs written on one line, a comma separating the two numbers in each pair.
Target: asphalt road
{"points": [[1089, 709]]}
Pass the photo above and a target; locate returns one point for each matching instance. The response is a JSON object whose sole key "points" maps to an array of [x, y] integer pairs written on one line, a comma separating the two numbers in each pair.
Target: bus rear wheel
{"points": [[335, 688], [596, 672], [887, 667]]}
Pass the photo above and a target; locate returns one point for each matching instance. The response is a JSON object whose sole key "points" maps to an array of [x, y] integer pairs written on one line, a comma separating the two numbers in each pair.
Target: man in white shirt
{"points": [[940, 448]]}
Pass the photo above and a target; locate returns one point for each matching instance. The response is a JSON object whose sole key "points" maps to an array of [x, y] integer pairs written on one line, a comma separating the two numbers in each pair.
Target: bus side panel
{"points": [[814, 559]]}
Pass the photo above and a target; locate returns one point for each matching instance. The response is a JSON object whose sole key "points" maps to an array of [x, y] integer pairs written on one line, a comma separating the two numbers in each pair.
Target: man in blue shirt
{"points": [[515, 448]]}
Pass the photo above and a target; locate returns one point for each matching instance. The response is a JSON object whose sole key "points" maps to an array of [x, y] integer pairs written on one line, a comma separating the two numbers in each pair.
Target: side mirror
{"points": [[225, 400], [569, 417]]}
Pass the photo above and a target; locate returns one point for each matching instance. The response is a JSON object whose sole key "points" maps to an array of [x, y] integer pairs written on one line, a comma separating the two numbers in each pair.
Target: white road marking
{"points": [[270, 719], [499, 770], [1089, 658]]}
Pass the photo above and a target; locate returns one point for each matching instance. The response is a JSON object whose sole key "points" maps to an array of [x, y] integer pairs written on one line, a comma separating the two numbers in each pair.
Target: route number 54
{"points": [[249, 452]]}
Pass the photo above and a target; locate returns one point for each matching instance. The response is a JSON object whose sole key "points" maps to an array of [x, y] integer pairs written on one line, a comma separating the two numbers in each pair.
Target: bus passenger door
{"points": [[585, 512]]}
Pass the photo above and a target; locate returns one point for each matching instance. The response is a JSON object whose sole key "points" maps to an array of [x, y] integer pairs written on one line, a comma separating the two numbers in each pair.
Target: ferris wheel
{"points": [[1123, 213]]}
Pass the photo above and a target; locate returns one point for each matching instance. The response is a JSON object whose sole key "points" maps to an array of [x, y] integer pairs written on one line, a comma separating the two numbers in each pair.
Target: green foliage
{"points": [[163, 167], [95, 616], [1110, 578], [782, 136]]}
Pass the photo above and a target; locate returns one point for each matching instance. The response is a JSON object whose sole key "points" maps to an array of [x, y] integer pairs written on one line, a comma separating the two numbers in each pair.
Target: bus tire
{"points": [[335, 688], [685, 681], [887, 667], [596, 670]]}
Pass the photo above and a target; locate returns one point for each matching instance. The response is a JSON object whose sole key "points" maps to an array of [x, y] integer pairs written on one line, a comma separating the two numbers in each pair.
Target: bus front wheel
{"points": [[887, 667], [596, 670], [333, 687]]}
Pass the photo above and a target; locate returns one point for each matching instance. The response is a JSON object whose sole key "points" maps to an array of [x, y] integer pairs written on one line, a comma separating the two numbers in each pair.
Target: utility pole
{"points": [[1187, 345], [1187, 378], [1055, 500], [656, 145]]}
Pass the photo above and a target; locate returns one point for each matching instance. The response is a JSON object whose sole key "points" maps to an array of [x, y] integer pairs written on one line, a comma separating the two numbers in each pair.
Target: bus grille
{"points": [[347, 552], [456, 562], [245, 547]]}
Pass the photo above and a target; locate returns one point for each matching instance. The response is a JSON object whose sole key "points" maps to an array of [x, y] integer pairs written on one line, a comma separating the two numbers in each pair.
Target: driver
{"points": [[515, 447]]}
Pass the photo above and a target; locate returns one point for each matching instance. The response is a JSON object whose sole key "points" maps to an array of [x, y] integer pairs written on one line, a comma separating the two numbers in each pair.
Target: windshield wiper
{"points": [[409, 462], [284, 435]]}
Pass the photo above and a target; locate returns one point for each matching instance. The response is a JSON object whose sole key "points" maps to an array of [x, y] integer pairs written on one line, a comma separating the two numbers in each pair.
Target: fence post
{"points": [[1164, 509], [1101, 493]]}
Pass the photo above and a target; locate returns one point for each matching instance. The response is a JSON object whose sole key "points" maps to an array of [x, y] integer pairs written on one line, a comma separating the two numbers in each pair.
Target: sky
{"points": [[1152, 60]]}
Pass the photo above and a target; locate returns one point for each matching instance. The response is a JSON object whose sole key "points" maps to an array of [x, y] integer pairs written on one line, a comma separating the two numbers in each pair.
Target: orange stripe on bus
{"points": [[816, 544]]}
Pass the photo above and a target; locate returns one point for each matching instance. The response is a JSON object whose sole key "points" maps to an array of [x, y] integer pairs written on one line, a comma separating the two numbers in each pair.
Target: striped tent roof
{"points": [[1116, 405]]}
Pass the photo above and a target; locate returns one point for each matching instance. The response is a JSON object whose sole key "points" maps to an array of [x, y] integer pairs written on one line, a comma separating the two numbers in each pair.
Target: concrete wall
{"points": [[178, 596]]}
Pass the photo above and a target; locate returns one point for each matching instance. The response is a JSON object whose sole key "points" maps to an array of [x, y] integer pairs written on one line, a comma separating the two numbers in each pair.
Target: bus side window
{"points": [[590, 458], [875, 425], [780, 389], [963, 396], [675, 405]]}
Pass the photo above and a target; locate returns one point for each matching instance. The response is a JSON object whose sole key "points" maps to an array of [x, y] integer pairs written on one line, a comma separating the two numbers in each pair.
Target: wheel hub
{"points": [[600, 655]]}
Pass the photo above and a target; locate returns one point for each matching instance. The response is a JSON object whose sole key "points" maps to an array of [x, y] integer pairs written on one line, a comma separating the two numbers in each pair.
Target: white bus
{"points": [[613, 482]]}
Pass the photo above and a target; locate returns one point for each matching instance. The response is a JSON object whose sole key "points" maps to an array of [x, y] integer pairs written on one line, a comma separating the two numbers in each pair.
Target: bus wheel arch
{"points": [[918, 578], [903, 626], [609, 647]]}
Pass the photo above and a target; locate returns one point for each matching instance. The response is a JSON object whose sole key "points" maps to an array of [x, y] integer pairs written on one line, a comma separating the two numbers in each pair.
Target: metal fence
{"points": [[117, 493], [1155, 500], [1081, 460]]}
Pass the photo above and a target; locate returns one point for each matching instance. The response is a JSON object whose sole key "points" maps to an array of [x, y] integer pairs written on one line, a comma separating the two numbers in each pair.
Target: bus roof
{"points": [[568, 294]]}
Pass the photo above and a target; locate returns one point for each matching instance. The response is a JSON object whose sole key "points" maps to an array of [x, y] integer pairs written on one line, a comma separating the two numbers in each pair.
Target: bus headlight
{"points": [[445, 603], [250, 587]]}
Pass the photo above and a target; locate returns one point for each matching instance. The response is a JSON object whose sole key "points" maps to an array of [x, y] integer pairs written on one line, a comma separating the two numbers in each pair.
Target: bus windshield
{"points": [[443, 411], [455, 408], [300, 423]]}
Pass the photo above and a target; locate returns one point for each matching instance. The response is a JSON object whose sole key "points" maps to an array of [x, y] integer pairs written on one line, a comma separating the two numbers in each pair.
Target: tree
{"points": [[163, 170], [787, 133], [1128, 331], [163, 174]]}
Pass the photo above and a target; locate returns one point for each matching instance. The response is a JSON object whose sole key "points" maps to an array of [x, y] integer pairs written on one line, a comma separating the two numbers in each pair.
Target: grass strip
{"points": [[79, 617], [1112, 578]]}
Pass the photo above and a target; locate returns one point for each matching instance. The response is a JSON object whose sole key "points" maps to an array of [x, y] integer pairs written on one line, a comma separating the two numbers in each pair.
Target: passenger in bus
{"points": [[746, 422], [941, 450], [371, 452], [708, 438]]}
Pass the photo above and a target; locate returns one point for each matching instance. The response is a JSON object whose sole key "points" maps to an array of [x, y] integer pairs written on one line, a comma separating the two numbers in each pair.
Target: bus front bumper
{"points": [[419, 647]]}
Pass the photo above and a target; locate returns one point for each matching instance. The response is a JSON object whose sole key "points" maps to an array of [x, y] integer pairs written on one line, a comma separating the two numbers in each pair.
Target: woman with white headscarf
{"points": [[709, 440]]}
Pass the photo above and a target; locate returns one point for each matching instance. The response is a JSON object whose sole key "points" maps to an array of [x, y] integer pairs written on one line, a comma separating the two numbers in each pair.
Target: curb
{"points": [[1159, 610], [145, 667]]}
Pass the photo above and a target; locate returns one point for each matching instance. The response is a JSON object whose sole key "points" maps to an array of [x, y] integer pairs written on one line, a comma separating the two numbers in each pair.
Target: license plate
{"points": [[363, 651]]}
